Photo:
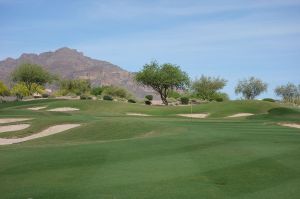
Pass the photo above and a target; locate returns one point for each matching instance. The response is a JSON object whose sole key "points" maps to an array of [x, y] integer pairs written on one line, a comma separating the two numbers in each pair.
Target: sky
{"points": [[232, 39]]}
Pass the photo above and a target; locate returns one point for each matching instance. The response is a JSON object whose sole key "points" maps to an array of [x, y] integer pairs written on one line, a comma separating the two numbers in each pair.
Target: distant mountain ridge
{"points": [[71, 64]]}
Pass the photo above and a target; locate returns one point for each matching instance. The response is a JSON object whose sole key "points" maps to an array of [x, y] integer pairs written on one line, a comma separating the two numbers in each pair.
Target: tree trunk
{"points": [[163, 98]]}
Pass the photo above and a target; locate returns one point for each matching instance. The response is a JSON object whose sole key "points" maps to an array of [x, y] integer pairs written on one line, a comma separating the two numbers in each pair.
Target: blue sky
{"points": [[233, 39]]}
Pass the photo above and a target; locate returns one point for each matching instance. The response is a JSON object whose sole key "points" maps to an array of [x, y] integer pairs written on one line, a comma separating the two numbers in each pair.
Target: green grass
{"points": [[163, 156]]}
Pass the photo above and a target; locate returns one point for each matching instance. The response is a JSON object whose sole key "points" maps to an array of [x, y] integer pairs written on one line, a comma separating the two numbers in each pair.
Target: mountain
{"points": [[71, 64]]}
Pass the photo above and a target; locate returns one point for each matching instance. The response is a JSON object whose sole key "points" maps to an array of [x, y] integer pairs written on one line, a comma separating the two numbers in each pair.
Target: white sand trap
{"points": [[49, 131], [64, 109], [37, 108], [11, 120], [196, 115], [240, 115], [292, 125], [16, 127], [137, 114]]}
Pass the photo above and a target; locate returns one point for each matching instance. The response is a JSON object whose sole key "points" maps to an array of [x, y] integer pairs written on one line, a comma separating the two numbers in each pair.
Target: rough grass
{"points": [[112, 156]]}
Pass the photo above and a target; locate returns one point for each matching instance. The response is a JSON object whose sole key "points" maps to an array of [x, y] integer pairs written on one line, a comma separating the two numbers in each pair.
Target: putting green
{"points": [[112, 155]]}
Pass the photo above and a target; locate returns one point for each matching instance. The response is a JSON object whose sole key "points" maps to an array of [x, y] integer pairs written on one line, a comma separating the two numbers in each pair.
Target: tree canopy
{"points": [[289, 92], [206, 88], [250, 88], [31, 75], [3, 90], [162, 78]]}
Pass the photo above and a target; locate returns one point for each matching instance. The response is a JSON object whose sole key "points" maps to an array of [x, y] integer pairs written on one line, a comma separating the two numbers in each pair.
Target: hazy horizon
{"points": [[230, 39]]}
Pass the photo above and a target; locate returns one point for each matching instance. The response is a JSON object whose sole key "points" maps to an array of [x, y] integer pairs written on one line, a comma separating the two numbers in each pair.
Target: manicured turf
{"points": [[163, 156]]}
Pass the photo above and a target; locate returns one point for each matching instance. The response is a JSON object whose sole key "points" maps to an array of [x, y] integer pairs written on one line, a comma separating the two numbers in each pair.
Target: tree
{"points": [[20, 90], [207, 87], [97, 91], [3, 91], [162, 78], [289, 92], [251, 88], [32, 75]]}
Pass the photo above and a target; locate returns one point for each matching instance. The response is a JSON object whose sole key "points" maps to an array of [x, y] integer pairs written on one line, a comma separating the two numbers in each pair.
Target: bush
{"points": [[107, 97], [84, 97], [149, 97], [116, 91], [131, 101], [174, 94], [45, 95], [184, 100], [219, 99], [96, 91], [148, 102], [269, 100]]}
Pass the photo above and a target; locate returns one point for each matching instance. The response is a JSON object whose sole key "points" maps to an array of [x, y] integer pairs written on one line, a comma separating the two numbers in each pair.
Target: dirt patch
{"points": [[137, 114], [37, 108], [49, 131], [64, 109], [11, 120], [16, 127], [292, 125], [196, 115], [240, 115]]}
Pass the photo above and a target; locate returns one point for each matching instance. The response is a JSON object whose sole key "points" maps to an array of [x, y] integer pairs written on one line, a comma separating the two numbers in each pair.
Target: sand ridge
{"points": [[49, 131], [137, 114], [240, 115], [14, 127], [64, 109], [292, 125], [11, 120], [194, 115], [37, 108]]}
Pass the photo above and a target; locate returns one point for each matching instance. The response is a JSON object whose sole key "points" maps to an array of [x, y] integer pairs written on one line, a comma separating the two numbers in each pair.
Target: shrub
{"points": [[96, 91], [131, 101], [107, 97], [219, 99], [174, 94], [184, 100], [45, 95], [268, 100], [148, 102], [116, 91], [83, 97], [149, 97]]}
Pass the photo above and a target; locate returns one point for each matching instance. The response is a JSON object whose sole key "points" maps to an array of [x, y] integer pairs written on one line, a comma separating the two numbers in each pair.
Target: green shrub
{"points": [[83, 97], [131, 101], [96, 91], [219, 99], [148, 102], [45, 95], [268, 100], [149, 97], [116, 91], [107, 97], [184, 100]]}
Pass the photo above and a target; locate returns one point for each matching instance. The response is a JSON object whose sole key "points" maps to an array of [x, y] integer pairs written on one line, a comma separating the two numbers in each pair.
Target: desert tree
{"points": [[206, 88], [162, 78], [31, 76], [20, 90], [3, 91], [251, 88], [289, 92]]}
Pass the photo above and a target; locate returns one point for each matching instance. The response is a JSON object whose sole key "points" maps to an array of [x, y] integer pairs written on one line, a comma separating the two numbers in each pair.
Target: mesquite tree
{"points": [[162, 78]]}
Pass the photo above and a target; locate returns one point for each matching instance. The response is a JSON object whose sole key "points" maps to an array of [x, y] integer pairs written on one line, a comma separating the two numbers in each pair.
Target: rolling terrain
{"points": [[163, 155]]}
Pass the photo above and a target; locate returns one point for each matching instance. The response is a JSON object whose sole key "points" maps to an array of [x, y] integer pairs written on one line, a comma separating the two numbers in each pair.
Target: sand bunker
{"points": [[37, 108], [240, 115], [292, 125], [16, 127], [49, 131], [137, 114], [64, 109], [196, 115], [11, 120]]}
